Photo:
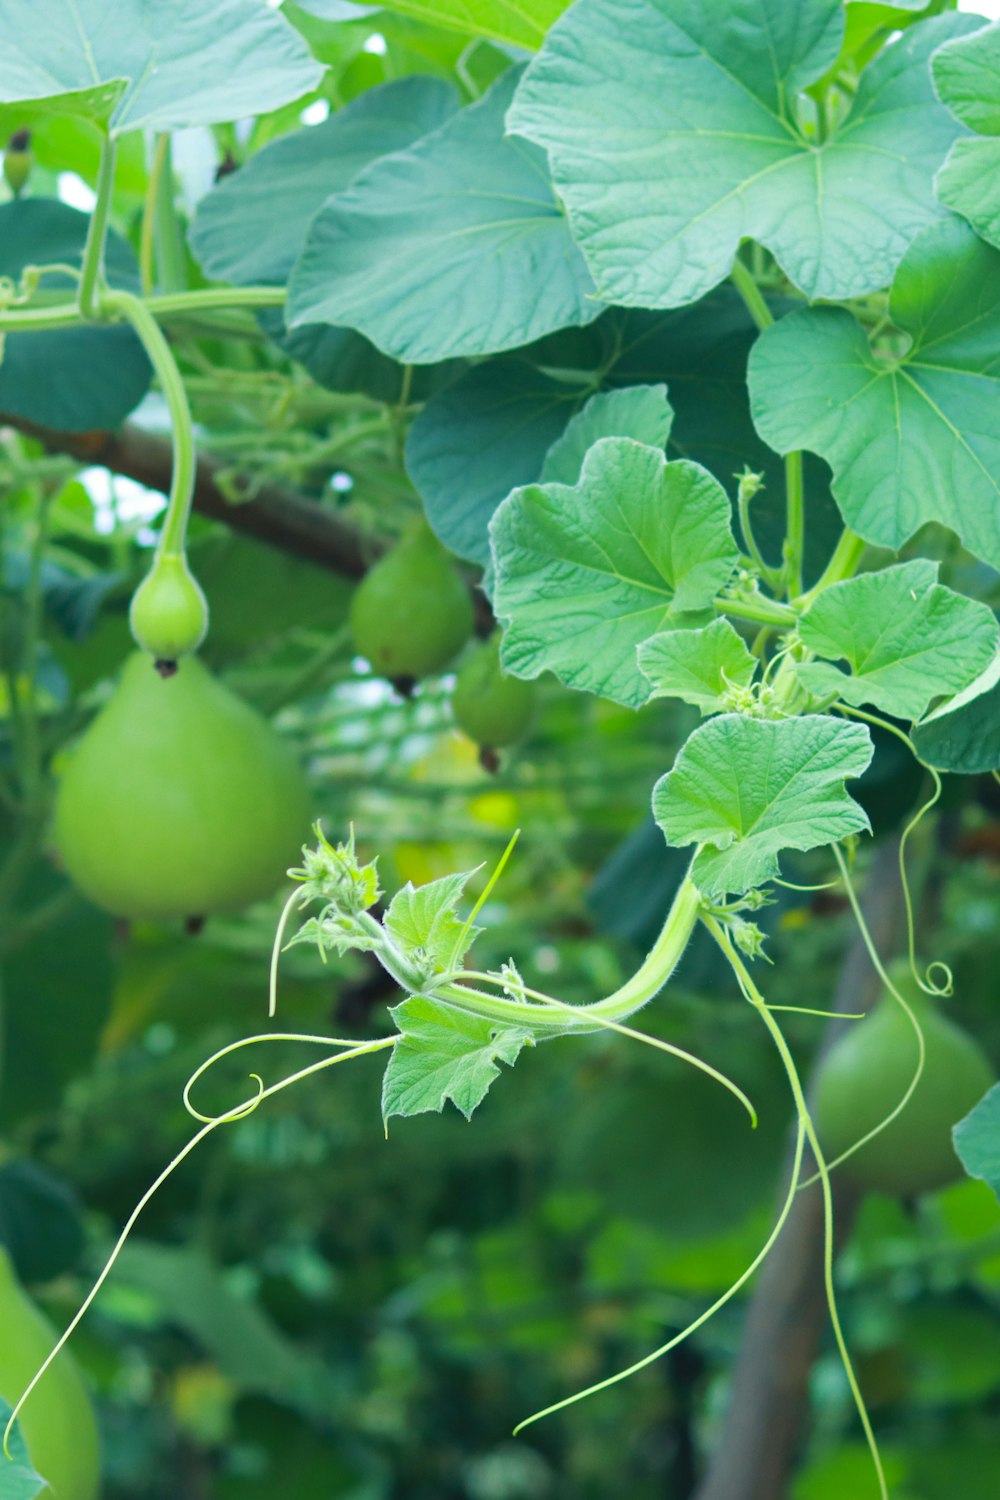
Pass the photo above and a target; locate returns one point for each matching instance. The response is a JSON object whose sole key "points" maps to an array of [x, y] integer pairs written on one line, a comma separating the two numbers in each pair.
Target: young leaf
{"points": [[253, 225], [641, 412], [977, 1140], [423, 922], [522, 23], [963, 735], [967, 78], [906, 639], [444, 1053], [152, 67], [699, 666], [673, 132], [584, 573], [18, 1479], [455, 246], [749, 788], [911, 439]]}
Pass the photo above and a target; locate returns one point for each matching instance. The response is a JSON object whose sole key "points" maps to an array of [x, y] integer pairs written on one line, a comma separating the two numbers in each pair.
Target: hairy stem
{"points": [[92, 274]]}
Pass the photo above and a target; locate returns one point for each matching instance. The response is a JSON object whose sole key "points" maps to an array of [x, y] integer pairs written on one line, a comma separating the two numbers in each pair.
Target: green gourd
{"points": [[411, 613], [491, 707], [57, 1422], [169, 613], [867, 1071], [179, 800]]}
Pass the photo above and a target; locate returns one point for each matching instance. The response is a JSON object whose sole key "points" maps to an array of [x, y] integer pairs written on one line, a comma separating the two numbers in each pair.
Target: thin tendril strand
{"points": [[272, 983], [807, 1010], [789, 885], [717, 1305], [866, 937], [926, 983], [238, 1112], [629, 1031], [249, 1041], [484, 896], [754, 997]]}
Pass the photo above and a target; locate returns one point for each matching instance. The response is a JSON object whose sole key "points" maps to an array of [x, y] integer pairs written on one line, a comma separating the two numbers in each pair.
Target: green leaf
{"points": [[977, 1140], [422, 920], [253, 225], [967, 78], [41, 1225], [674, 131], [699, 666], [480, 438], [18, 1478], [963, 735], [910, 439], [749, 788], [906, 639], [443, 1054], [454, 246], [584, 573], [520, 22], [152, 67], [641, 412], [70, 379]]}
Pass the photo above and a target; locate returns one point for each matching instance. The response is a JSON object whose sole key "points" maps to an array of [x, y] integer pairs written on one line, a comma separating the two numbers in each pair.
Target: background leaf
{"points": [[750, 788], [18, 1479], [642, 412], [977, 1140], [72, 379], [910, 439], [967, 78], [455, 246]]}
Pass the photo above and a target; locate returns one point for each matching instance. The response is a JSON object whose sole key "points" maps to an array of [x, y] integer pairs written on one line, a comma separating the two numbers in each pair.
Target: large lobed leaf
{"points": [[131, 65], [905, 637], [455, 246], [977, 1140], [748, 788], [911, 439], [702, 666], [673, 133], [963, 734], [584, 573]]}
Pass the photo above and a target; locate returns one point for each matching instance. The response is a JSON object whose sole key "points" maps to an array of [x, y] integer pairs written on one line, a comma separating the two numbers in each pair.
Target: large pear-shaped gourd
{"points": [[180, 800], [868, 1070], [57, 1422], [411, 613]]}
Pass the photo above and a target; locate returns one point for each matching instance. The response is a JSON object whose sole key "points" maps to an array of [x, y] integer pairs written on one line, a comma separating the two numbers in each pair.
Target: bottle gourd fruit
{"points": [[180, 800], [869, 1068], [493, 709], [57, 1422], [411, 613]]}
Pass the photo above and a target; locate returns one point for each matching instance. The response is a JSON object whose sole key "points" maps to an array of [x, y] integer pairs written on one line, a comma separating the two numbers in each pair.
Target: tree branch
{"points": [[276, 516], [787, 1318], [279, 517]]}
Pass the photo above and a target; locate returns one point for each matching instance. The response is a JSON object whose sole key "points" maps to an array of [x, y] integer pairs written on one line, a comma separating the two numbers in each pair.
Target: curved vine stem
{"points": [[136, 312]]}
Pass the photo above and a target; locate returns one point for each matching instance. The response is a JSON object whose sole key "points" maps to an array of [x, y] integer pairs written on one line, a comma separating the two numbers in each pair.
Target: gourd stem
{"points": [[646, 982], [843, 564], [92, 273], [137, 313]]}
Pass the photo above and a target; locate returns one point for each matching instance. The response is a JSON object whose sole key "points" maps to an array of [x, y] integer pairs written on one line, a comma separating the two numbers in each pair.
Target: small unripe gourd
{"points": [[491, 707], [169, 613], [180, 799], [867, 1071], [57, 1422], [18, 161], [411, 613]]}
